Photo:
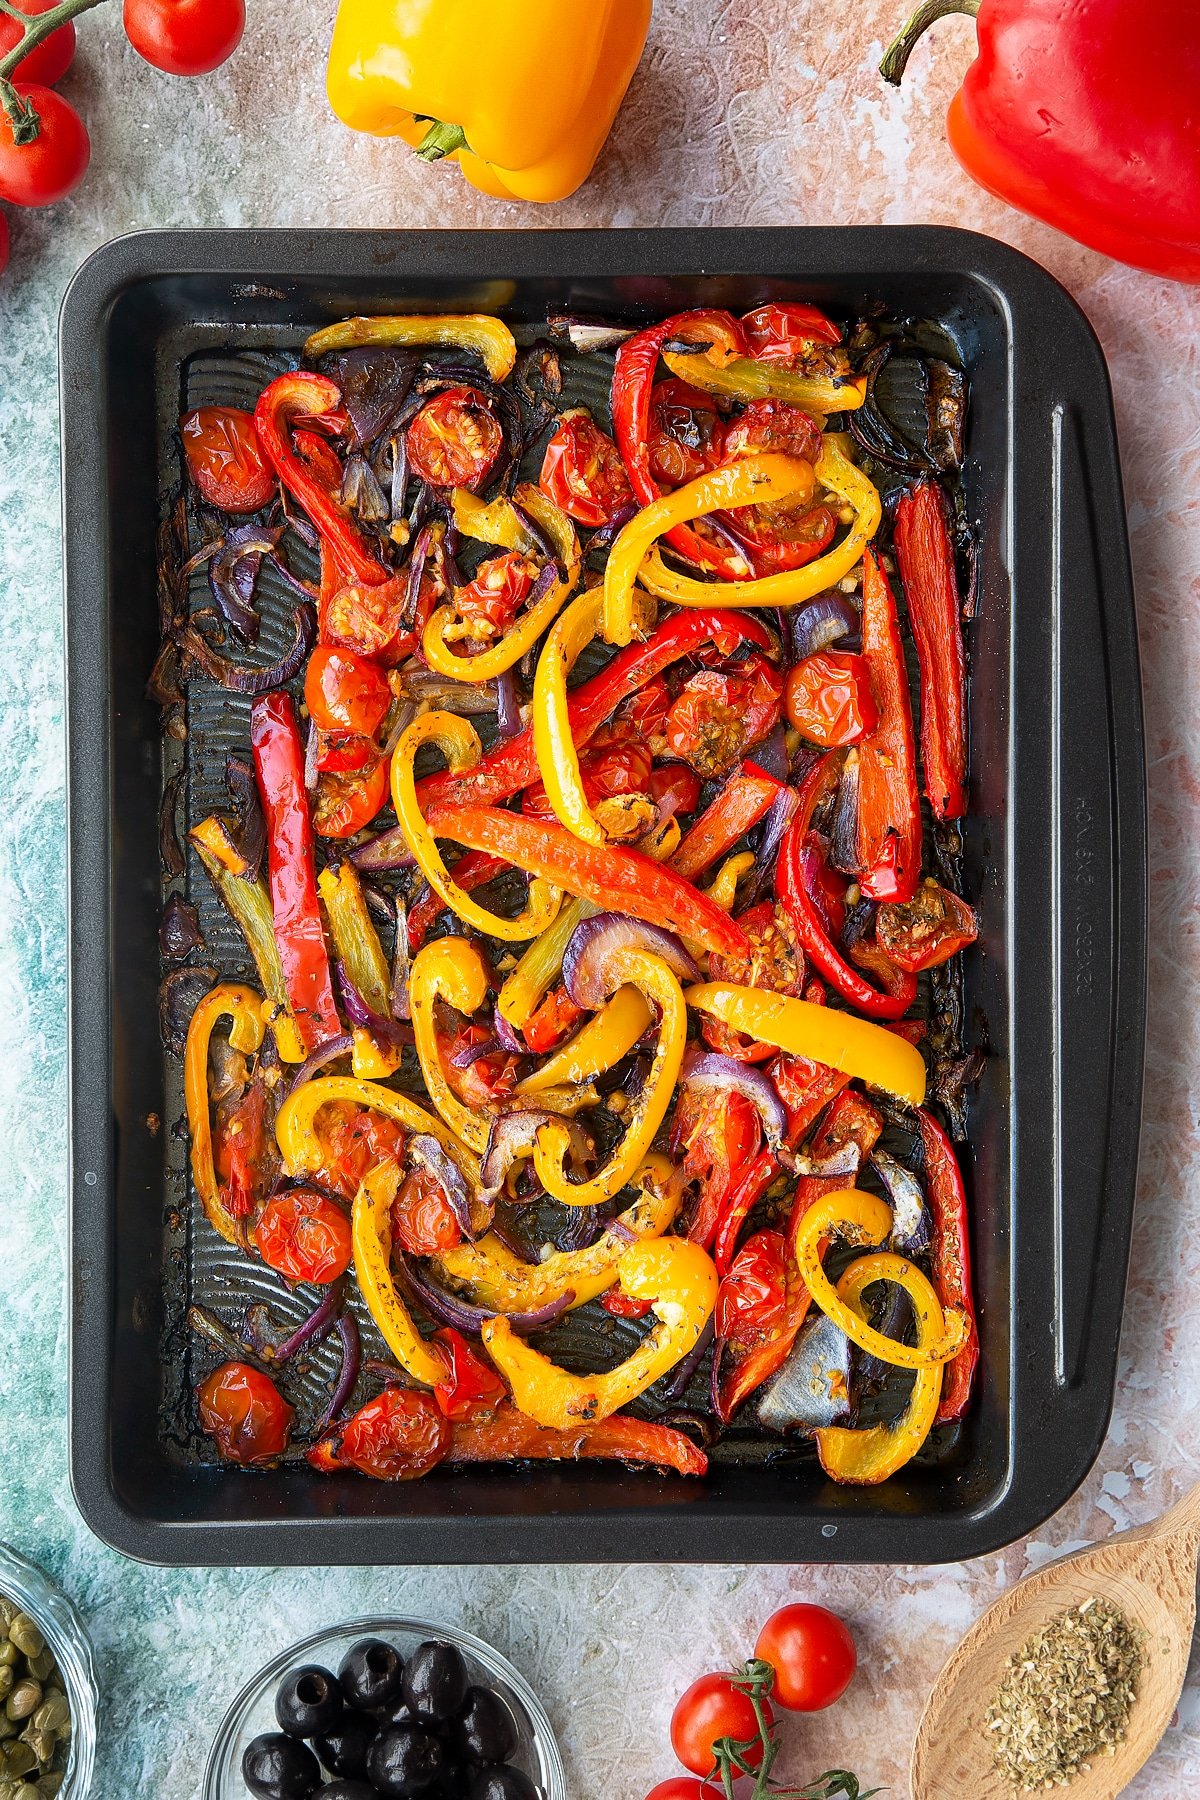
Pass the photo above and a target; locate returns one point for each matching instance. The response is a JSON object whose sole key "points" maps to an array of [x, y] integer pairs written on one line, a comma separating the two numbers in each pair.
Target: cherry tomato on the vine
{"points": [[185, 37], [812, 1654], [304, 1235], [51, 59], [243, 1411], [54, 162], [683, 1787], [712, 1709], [455, 439], [225, 459]]}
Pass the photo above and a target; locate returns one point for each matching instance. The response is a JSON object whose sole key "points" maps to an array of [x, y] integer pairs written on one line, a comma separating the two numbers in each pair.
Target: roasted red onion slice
{"points": [[241, 678], [386, 1031], [343, 1387], [233, 575], [451, 1309], [585, 333], [426, 1151], [722, 1074], [319, 1059], [252, 826], [773, 827], [911, 1227], [179, 929], [681, 1379], [375, 385], [828, 619], [843, 847], [509, 722], [317, 1327], [594, 942], [387, 851], [512, 1137], [770, 754], [178, 997]]}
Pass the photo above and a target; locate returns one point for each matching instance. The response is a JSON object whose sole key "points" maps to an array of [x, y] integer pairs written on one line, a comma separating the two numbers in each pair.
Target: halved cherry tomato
{"points": [[645, 713], [490, 602], [479, 1080], [582, 471], [790, 334], [687, 433], [715, 1135], [398, 1436], [552, 1023], [828, 698], [372, 621], [304, 1235], [929, 929], [354, 1140], [718, 715], [423, 1220], [775, 961], [752, 1299], [777, 538], [344, 752], [713, 1709], [812, 1654], [770, 424], [471, 1385], [344, 804], [244, 1413], [224, 458], [674, 789], [344, 691], [455, 439], [613, 763], [51, 59]]}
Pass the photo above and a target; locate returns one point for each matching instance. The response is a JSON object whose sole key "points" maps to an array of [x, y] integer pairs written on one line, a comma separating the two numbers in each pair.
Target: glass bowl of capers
{"points": [[48, 1691]]}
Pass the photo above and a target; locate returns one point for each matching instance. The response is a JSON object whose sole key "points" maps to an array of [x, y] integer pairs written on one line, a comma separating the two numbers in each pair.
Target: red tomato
{"points": [[471, 1385], [929, 929], [243, 1147], [775, 961], [645, 712], [373, 621], [682, 1787], [812, 1654], [423, 1220], [243, 1411], [770, 424], [789, 334], [481, 1080], [398, 1436], [674, 789], [185, 37], [224, 458], [777, 538], [623, 1306], [52, 57], [582, 471], [455, 439], [353, 1141], [490, 602], [712, 1710], [552, 1023], [342, 752], [752, 1299], [718, 715], [687, 433], [345, 804], [716, 1135], [613, 763], [304, 1235], [345, 692], [54, 163], [828, 698]]}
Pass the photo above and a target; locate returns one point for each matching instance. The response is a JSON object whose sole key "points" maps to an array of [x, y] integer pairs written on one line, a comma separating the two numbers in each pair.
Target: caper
{"points": [[53, 1715], [8, 1727], [11, 1790], [9, 1654], [19, 1758], [25, 1699], [42, 1666], [6, 1682], [25, 1635], [40, 1742], [49, 1783]]}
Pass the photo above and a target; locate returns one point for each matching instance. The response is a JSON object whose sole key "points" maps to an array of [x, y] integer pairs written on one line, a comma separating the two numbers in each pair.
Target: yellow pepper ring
{"points": [[824, 1034], [525, 633], [553, 740], [451, 969], [300, 1144], [655, 981], [459, 743], [836, 472], [752, 481], [242, 1006], [679, 1280], [607, 1036], [490, 337], [742, 378], [872, 1454], [371, 1230], [851, 1212]]}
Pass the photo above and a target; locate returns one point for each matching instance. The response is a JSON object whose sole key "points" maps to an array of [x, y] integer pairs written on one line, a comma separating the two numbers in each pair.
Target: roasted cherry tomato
{"points": [[224, 458], [828, 698], [244, 1146], [931, 928], [344, 691], [722, 336], [775, 961], [471, 1385], [674, 789], [244, 1413], [455, 439], [479, 1080], [790, 334], [54, 162], [552, 1023], [719, 714], [777, 538], [305, 1235], [345, 752], [423, 1220], [582, 471], [185, 37], [715, 1135], [687, 433], [752, 1299], [613, 763], [713, 1709], [51, 59], [769, 424], [344, 804], [353, 1141], [490, 602], [644, 713], [398, 1436], [374, 621], [812, 1654], [620, 1305]]}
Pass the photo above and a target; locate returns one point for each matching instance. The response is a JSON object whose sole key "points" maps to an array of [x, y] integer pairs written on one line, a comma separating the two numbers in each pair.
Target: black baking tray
{"points": [[1054, 854]]}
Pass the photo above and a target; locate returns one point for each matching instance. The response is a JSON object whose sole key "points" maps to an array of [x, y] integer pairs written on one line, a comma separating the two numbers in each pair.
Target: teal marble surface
{"points": [[742, 113]]}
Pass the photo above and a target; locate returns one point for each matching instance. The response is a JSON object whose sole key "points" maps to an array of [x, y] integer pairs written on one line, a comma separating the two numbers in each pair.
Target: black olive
{"points": [[435, 1682], [484, 1731], [395, 1714], [455, 1782], [371, 1674], [275, 1767], [309, 1701], [501, 1784], [343, 1748], [405, 1760], [346, 1790]]}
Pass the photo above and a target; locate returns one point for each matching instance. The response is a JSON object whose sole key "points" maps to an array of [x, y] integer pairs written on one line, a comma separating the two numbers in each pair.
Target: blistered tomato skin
{"points": [[305, 1236], [244, 1413], [224, 458]]}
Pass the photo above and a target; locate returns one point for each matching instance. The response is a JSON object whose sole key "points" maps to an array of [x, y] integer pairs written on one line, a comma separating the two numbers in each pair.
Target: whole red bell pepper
{"points": [[282, 401], [1084, 116], [951, 1258], [889, 805], [746, 797], [926, 558], [279, 768]]}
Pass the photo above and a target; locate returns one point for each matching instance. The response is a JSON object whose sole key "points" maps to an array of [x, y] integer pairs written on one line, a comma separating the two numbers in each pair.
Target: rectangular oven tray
{"points": [[1054, 856]]}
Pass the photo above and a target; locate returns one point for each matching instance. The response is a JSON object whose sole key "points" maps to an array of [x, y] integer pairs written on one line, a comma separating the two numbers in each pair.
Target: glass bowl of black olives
{"points": [[386, 1709]]}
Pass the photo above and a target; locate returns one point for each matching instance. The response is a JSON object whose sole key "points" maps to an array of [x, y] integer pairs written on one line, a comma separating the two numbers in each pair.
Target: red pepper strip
{"points": [[951, 1258], [926, 558], [301, 395], [745, 1197], [513, 765], [806, 919], [508, 1436], [745, 798], [279, 767], [632, 387], [889, 806], [612, 876], [474, 870]]}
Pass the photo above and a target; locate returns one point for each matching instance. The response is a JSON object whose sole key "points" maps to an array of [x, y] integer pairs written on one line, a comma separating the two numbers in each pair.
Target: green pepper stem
{"points": [[37, 28], [895, 59], [441, 140]]}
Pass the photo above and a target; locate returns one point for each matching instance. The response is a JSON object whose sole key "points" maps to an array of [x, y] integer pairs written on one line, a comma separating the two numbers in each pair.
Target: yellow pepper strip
{"points": [[490, 338], [243, 1008], [529, 627], [869, 1456], [658, 986], [863, 1218], [357, 944], [553, 742], [541, 965], [679, 1280], [742, 378], [491, 521], [836, 472], [249, 905], [752, 481], [722, 891], [371, 1228], [458, 741], [300, 1142], [449, 969], [496, 1278], [608, 1035], [824, 1034]]}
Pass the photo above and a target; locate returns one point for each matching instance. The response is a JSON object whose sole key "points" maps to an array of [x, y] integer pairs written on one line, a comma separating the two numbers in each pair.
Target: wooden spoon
{"points": [[1149, 1574]]}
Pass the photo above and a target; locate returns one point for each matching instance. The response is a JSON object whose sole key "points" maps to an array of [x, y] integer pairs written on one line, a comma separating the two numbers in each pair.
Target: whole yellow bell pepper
{"points": [[371, 1229], [679, 1280], [243, 1008], [520, 93]]}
